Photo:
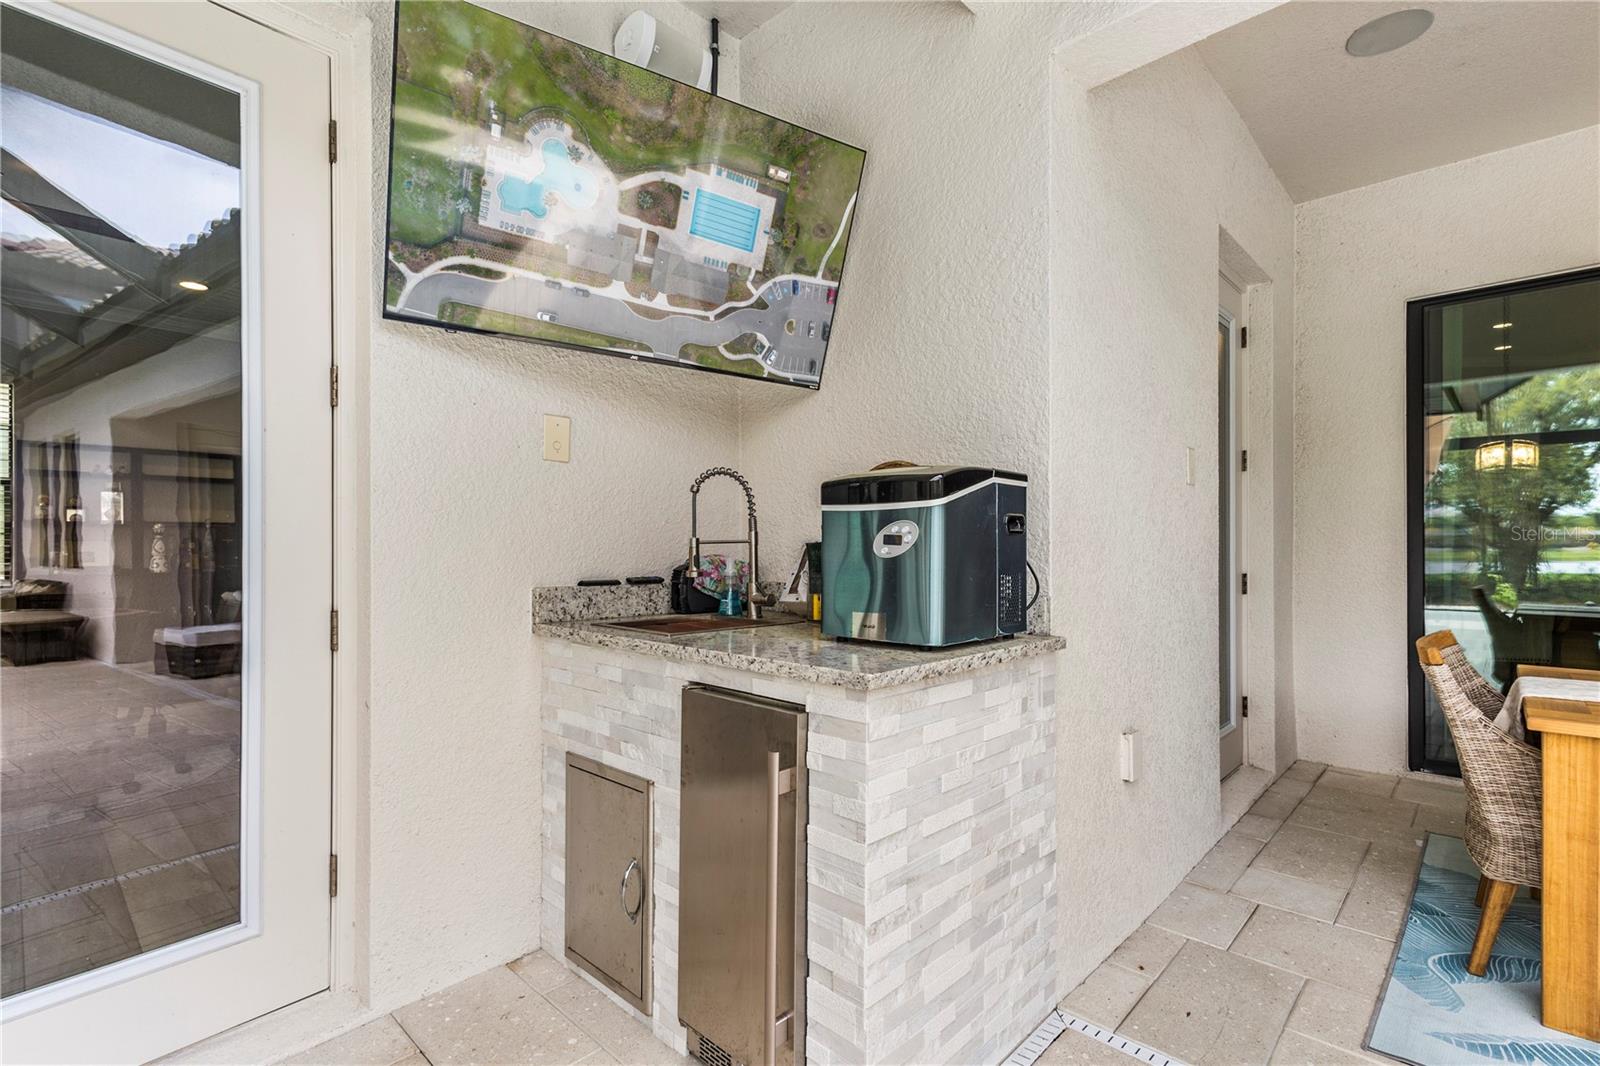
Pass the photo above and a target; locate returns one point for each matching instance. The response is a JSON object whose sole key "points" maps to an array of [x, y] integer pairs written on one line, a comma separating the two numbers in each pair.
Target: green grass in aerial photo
{"points": [[458, 314], [823, 183], [425, 179], [473, 270], [706, 356]]}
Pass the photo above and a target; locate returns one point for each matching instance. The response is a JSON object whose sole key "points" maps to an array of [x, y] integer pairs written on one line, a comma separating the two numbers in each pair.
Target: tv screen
{"points": [[545, 190]]}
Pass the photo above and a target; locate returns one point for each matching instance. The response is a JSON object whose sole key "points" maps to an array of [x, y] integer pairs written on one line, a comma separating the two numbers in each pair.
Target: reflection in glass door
{"points": [[122, 625], [1505, 476]]}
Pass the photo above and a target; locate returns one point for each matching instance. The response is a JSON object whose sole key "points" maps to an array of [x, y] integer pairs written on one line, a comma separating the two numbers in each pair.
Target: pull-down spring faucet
{"points": [[754, 599]]}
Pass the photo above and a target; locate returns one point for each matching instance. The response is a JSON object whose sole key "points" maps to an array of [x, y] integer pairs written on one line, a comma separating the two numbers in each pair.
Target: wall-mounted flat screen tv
{"points": [[545, 190]]}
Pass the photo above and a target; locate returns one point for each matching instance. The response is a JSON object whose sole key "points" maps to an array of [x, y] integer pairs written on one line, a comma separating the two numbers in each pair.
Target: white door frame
{"points": [[348, 48], [346, 39], [1231, 497]]}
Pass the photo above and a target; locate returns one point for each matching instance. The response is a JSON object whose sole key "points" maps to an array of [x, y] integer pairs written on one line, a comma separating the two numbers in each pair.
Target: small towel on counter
{"points": [[717, 571], [1509, 720]]}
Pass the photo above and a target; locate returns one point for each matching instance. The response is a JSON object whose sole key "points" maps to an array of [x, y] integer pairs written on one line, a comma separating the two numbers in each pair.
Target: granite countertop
{"points": [[800, 652]]}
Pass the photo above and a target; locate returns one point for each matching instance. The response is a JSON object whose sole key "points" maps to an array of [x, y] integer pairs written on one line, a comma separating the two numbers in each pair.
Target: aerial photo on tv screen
{"points": [[544, 189]]}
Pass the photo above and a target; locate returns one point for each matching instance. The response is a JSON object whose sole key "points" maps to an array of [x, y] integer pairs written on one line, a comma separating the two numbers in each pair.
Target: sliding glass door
{"points": [[1505, 483]]}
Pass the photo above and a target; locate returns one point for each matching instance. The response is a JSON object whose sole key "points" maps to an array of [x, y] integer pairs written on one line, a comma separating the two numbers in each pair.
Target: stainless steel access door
{"points": [[741, 932], [608, 873]]}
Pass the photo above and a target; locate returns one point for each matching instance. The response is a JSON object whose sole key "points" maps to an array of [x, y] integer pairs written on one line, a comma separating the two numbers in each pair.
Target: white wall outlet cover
{"points": [[1132, 750], [557, 439]]}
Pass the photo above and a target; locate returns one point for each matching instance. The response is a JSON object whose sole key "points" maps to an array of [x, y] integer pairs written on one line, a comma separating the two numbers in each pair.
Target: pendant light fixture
{"points": [[1514, 452], [1501, 453]]}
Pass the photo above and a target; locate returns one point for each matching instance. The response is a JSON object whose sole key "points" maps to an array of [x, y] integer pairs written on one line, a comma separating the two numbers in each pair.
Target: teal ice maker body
{"points": [[927, 556]]}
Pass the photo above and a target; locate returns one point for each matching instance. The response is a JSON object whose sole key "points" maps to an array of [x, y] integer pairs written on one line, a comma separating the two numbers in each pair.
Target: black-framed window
{"points": [[1503, 500]]}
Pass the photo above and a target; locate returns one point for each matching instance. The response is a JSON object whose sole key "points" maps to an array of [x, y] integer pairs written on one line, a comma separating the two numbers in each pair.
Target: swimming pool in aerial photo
{"points": [[571, 182], [724, 220]]}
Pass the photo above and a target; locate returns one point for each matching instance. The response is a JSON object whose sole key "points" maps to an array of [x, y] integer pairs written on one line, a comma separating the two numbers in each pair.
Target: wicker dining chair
{"points": [[1504, 786]]}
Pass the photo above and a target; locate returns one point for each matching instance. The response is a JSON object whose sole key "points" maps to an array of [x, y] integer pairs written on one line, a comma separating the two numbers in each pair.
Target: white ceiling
{"points": [[1489, 74], [738, 17]]}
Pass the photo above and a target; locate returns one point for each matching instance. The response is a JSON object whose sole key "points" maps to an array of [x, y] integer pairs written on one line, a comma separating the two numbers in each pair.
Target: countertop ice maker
{"points": [[925, 555]]}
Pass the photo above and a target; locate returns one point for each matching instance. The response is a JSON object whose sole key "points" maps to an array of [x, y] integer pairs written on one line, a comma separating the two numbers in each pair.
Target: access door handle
{"points": [[633, 914]]}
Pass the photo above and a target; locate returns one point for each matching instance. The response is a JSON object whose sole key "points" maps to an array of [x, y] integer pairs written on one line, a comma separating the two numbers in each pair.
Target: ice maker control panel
{"points": [[894, 539]]}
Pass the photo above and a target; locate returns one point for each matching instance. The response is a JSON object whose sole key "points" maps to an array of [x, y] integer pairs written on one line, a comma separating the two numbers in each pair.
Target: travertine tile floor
{"points": [[534, 1011], [1274, 948]]}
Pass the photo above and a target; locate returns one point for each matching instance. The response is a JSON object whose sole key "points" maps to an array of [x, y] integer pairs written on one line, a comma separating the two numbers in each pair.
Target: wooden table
{"points": [[1571, 731]]}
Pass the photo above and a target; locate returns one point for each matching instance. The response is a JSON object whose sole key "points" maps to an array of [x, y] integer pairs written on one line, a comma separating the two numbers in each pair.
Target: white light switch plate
{"points": [[557, 439]]}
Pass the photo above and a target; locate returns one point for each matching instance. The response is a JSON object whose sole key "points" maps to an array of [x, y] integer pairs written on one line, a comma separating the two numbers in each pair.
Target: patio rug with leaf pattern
{"points": [[1433, 1012]]}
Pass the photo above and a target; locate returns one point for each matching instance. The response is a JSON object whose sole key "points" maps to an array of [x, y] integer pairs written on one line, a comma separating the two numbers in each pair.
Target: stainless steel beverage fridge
{"points": [[742, 912]]}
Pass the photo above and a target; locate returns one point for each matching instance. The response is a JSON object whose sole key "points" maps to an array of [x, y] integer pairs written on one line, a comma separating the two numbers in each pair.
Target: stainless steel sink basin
{"points": [[678, 624]]}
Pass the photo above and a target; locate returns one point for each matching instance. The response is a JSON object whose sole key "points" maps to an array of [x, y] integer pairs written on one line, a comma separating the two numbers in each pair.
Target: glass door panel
{"points": [[166, 293], [123, 632], [1508, 428]]}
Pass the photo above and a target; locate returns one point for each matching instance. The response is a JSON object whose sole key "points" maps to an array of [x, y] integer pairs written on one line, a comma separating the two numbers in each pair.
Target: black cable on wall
{"points": [[715, 52]]}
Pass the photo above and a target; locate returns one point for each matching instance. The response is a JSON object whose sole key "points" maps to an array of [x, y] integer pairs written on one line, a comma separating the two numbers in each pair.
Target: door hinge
{"points": [[333, 141], [1244, 584], [1244, 706], [333, 629], [333, 875], [333, 386], [1244, 460], [1244, 337]]}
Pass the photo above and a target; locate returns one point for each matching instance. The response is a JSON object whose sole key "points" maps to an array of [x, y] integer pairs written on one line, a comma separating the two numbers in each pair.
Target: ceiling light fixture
{"points": [[1503, 452], [1499, 454], [1501, 325], [194, 286], [1394, 30]]}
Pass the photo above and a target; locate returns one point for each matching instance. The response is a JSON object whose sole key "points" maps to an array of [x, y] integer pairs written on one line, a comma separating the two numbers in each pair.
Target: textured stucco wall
{"points": [[1149, 170], [982, 322], [1050, 304], [941, 342], [1360, 256], [465, 518]]}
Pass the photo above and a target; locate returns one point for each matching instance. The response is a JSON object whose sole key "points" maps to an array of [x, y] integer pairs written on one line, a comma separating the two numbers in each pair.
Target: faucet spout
{"points": [[754, 599]]}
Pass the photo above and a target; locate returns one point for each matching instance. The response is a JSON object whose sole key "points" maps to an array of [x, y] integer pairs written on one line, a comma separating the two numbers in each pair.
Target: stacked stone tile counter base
{"points": [[931, 900]]}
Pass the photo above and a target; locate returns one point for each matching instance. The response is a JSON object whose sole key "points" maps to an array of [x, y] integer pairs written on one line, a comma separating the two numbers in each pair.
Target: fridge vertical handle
{"points": [[779, 784]]}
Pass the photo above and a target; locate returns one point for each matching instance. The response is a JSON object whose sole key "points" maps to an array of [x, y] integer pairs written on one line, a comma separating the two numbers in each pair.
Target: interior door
{"points": [[1230, 578], [165, 308]]}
